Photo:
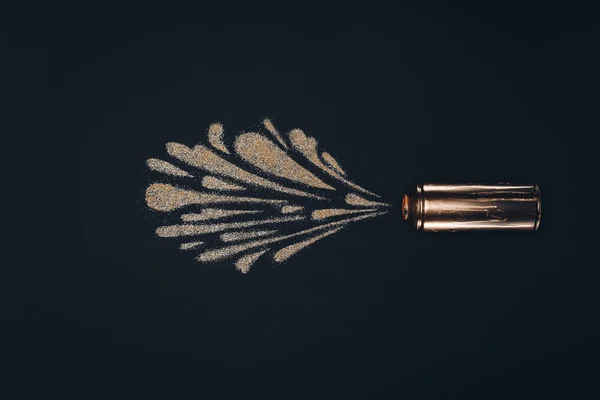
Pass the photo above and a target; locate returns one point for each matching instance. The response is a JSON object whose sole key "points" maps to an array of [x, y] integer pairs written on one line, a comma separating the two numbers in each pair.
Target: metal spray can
{"points": [[467, 207]]}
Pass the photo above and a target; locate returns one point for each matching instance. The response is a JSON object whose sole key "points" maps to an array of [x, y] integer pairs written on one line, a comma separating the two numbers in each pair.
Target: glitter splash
{"points": [[166, 168], [291, 209], [307, 146], [334, 212], [164, 197], [244, 263], [211, 182], [266, 156], [194, 229], [273, 131], [226, 252], [266, 195], [190, 245], [215, 213], [203, 158], [356, 200], [329, 160], [288, 251], [215, 137], [244, 235]]}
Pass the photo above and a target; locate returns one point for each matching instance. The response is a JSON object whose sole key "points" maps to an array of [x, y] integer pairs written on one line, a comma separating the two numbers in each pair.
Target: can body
{"points": [[466, 207]]}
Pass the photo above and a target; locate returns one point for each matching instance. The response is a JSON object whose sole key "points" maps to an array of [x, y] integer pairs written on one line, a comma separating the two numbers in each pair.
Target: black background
{"points": [[399, 95]]}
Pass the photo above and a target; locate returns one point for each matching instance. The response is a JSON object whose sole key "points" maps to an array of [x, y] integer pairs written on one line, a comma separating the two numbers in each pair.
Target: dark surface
{"points": [[398, 95]]}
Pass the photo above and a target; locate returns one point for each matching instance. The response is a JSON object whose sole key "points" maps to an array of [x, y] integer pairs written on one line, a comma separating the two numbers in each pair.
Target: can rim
{"points": [[538, 195], [419, 208]]}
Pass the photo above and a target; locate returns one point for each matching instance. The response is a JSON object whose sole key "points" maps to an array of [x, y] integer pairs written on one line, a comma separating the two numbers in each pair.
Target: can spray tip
{"points": [[405, 207]]}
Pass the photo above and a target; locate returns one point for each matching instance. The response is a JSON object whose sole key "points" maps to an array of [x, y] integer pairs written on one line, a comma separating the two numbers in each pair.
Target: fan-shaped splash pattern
{"points": [[254, 195]]}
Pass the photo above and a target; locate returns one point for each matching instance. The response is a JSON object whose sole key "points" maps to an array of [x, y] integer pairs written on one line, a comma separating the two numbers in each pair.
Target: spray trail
{"points": [[264, 195]]}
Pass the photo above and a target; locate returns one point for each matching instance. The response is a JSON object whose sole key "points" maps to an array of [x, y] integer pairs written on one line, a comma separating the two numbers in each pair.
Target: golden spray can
{"points": [[440, 207]]}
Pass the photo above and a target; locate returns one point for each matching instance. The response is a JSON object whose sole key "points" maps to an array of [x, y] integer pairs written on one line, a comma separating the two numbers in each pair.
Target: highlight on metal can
{"points": [[466, 207]]}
